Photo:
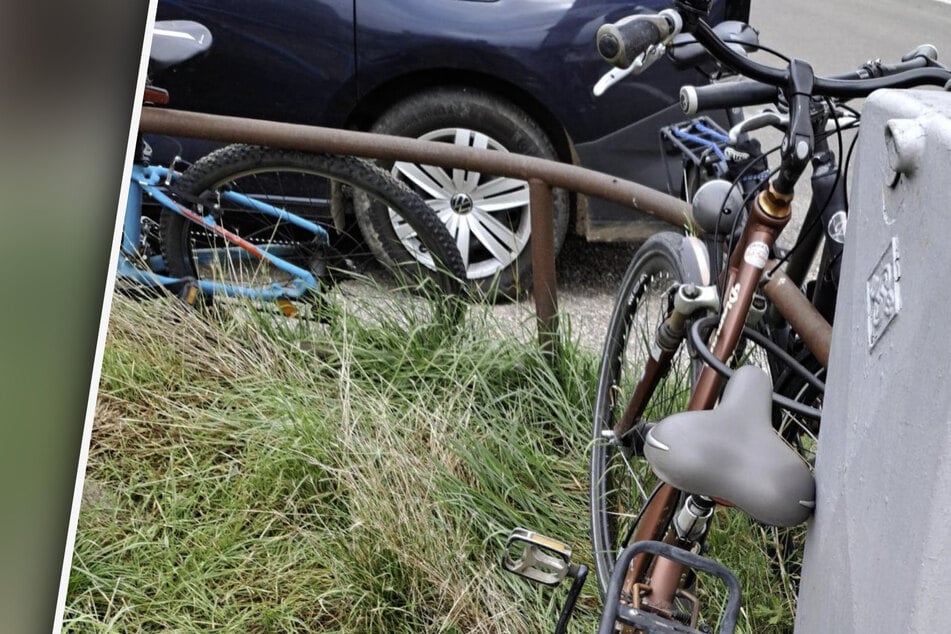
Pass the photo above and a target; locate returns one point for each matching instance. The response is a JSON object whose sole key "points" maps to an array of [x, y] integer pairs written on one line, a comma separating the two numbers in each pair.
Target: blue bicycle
{"points": [[257, 222]]}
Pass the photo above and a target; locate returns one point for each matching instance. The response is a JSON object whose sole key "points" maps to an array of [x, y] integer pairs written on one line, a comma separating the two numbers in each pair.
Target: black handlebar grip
{"points": [[735, 94], [620, 44]]}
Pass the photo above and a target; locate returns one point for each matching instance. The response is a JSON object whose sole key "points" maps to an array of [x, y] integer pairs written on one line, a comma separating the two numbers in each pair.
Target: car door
{"points": [[286, 60]]}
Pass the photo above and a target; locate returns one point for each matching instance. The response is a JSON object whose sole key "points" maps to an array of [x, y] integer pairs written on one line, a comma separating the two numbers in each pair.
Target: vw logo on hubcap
{"points": [[461, 203]]}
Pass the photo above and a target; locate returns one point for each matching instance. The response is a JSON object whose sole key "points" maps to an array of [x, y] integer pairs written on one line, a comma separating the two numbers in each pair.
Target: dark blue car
{"points": [[513, 75]]}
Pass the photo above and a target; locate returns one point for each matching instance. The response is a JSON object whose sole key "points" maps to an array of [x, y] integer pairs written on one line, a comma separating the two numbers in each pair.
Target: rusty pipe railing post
{"points": [[544, 286]]}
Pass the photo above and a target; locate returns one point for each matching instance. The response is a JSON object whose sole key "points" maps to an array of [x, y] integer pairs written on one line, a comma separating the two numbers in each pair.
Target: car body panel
{"points": [[545, 49], [293, 59], [341, 63]]}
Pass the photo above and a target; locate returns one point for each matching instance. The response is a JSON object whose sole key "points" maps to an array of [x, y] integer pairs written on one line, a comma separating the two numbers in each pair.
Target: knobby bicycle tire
{"points": [[621, 481], [313, 186]]}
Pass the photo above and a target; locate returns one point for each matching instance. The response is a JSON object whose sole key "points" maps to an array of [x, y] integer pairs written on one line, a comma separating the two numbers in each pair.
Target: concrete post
{"points": [[878, 555]]}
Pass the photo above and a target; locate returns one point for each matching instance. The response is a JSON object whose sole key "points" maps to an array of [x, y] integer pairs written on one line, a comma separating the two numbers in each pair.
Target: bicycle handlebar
{"points": [[915, 70], [737, 94], [620, 46], [635, 40], [621, 42]]}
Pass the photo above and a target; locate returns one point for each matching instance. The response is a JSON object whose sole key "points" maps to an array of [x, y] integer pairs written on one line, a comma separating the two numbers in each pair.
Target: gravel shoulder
{"points": [[588, 275]]}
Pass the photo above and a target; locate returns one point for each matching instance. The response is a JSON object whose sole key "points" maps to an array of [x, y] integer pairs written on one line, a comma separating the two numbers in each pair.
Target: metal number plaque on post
{"points": [[883, 293]]}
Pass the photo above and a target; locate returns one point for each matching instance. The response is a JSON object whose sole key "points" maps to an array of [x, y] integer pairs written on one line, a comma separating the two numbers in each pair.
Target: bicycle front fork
{"points": [[688, 299]]}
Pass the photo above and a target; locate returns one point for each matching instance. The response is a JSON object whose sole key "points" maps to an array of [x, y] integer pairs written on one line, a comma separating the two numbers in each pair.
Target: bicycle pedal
{"points": [[189, 292], [536, 557], [287, 308]]}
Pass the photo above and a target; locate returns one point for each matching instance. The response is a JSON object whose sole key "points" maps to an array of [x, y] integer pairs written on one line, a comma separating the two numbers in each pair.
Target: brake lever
{"points": [[668, 22], [640, 64], [612, 77], [845, 121], [781, 121]]}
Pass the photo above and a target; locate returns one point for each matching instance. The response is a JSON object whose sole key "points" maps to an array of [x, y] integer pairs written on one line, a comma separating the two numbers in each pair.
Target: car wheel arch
{"points": [[372, 104]]}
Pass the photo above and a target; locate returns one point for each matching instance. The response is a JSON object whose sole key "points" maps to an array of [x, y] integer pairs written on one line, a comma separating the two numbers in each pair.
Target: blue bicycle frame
{"points": [[152, 181]]}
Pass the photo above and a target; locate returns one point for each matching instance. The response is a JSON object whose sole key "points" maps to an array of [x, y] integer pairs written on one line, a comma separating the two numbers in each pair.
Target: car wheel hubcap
{"points": [[461, 203], [487, 216]]}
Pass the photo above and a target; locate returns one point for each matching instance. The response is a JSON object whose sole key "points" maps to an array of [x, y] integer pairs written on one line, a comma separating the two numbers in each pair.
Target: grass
{"points": [[251, 474]]}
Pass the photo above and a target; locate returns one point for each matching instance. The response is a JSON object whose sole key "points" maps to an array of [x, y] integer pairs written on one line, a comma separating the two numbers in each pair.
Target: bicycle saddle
{"points": [[732, 453], [174, 41]]}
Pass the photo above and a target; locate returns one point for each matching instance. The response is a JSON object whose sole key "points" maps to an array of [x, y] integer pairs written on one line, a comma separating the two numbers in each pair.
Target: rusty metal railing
{"points": [[541, 175]]}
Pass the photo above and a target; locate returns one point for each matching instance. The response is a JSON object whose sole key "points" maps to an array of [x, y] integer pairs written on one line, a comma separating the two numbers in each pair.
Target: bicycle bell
{"points": [[716, 206]]}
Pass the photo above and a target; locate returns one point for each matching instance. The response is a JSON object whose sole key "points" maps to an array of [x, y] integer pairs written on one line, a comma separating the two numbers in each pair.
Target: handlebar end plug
{"points": [[927, 51], [608, 46], [688, 100]]}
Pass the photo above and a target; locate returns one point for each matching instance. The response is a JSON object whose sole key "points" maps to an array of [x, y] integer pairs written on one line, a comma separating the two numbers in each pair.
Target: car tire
{"points": [[488, 216]]}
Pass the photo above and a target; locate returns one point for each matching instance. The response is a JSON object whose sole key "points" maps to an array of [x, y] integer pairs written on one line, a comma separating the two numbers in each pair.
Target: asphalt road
{"points": [[833, 37], [838, 36]]}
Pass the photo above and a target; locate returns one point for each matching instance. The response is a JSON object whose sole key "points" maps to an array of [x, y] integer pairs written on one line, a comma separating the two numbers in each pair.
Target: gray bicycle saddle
{"points": [[732, 453]]}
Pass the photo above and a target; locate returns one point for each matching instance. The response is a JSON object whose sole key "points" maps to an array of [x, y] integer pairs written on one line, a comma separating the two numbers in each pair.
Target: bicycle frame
{"points": [[749, 261], [808, 318], [769, 215], [152, 181], [826, 215]]}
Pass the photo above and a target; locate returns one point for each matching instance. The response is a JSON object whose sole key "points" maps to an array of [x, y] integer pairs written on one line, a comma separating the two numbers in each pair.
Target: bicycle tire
{"points": [[304, 184], [642, 303]]}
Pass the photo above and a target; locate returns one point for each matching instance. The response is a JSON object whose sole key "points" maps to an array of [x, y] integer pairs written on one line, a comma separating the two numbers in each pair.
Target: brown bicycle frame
{"points": [[769, 215]]}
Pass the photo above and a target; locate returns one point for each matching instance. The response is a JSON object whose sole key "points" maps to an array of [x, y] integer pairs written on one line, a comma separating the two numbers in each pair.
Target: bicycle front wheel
{"points": [[621, 480], [241, 186]]}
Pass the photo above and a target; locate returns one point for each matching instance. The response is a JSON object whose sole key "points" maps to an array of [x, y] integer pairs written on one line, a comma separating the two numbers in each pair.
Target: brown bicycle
{"points": [[684, 418], [710, 383]]}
